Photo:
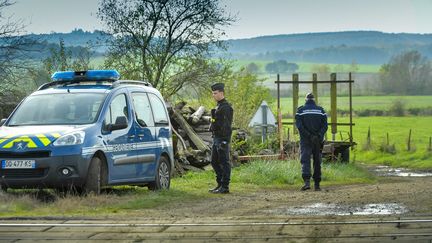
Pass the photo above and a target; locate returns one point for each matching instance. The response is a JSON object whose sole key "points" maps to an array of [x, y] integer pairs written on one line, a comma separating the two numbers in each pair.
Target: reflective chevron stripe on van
{"points": [[30, 141]]}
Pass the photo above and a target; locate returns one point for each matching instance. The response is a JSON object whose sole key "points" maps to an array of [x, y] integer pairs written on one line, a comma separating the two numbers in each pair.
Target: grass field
{"points": [[361, 102], [191, 187], [307, 66], [398, 130]]}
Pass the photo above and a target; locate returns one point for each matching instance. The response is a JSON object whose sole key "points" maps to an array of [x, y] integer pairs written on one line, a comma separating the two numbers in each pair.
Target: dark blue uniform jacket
{"points": [[311, 120], [222, 121]]}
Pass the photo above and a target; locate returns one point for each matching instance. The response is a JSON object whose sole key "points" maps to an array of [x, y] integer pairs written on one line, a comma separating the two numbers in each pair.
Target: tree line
{"points": [[408, 73]]}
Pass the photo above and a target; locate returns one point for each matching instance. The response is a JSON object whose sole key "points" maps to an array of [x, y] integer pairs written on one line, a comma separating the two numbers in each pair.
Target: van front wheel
{"points": [[93, 180], [163, 176]]}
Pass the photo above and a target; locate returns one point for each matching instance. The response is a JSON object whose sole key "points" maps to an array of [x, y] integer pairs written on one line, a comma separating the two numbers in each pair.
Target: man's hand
{"points": [[223, 145]]}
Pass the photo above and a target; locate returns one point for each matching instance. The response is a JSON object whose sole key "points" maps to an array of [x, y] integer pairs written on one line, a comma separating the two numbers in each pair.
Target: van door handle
{"points": [[131, 136], [141, 135]]}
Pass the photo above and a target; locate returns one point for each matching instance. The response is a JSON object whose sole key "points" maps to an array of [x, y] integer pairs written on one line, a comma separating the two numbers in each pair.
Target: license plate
{"points": [[18, 164]]}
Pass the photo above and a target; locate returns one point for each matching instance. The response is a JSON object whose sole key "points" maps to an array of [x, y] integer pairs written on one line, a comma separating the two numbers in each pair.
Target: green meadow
{"points": [[361, 103], [394, 151], [308, 66]]}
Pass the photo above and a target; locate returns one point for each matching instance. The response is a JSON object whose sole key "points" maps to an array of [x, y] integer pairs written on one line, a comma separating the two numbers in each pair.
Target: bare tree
{"points": [[14, 64], [407, 73], [13, 44], [164, 42]]}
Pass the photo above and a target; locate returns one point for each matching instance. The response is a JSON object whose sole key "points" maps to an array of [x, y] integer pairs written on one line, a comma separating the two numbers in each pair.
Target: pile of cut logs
{"points": [[191, 137], [192, 140]]}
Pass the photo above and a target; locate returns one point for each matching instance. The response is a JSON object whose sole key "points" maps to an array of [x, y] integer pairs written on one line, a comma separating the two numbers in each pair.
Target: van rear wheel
{"points": [[163, 176]]}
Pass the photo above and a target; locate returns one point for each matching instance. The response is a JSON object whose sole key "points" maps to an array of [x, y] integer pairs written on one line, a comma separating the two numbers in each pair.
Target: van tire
{"points": [[163, 176], [3, 189], [93, 180]]}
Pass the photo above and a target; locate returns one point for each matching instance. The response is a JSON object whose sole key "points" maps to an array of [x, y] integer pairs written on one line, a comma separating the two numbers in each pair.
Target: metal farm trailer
{"points": [[333, 149]]}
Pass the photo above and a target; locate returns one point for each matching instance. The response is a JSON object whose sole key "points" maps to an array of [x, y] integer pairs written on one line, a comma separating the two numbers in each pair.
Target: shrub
{"points": [[387, 148], [397, 108]]}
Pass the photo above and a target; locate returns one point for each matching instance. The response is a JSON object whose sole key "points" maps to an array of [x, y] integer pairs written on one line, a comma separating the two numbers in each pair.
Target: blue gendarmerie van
{"points": [[87, 130]]}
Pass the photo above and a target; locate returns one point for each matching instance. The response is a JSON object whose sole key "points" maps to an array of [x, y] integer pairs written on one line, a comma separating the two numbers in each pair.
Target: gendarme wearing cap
{"points": [[221, 128], [218, 86]]}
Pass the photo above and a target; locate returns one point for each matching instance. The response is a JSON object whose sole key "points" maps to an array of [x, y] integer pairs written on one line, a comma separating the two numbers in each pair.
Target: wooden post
{"points": [[388, 140], [350, 109], [430, 144], [295, 98], [315, 87], [278, 92], [409, 141], [368, 139], [333, 105], [280, 127]]}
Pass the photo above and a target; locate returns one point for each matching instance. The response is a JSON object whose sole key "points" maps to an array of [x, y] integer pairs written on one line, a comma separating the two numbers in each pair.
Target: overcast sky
{"points": [[255, 17]]}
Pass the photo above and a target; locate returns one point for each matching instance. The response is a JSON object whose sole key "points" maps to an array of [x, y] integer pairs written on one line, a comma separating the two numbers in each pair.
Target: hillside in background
{"points": [[362, 47], [77, 37], [309, 41], [366, 47]]}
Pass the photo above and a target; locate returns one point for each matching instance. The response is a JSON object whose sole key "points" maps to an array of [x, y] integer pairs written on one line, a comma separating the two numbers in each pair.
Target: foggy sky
{"points": [[255, 17]]}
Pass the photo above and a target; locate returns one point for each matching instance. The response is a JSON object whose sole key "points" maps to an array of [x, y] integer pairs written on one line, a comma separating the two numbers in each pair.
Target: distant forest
{"points": [[362, 47]]}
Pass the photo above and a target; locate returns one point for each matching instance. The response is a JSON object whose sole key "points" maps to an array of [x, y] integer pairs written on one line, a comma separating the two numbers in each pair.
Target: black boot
{"points": [[216, 188], [306, 185], [317, 186], [222, 190]]}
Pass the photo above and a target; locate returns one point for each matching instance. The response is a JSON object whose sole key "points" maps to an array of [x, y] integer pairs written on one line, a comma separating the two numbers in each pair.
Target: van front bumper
{"points": [[49, 172]]}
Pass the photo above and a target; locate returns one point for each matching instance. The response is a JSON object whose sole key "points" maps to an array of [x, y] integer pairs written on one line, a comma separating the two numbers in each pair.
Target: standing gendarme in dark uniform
{"points": [[311, 121], [221, 129]]}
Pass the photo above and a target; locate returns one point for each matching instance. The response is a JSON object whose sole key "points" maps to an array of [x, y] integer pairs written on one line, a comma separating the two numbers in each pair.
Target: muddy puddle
{"points": [[388, 171], [340, 210]]}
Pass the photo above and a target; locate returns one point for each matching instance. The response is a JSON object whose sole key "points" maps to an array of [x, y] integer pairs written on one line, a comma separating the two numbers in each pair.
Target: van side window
{"points": [[143, 112], [159, 111], [117, 108]]}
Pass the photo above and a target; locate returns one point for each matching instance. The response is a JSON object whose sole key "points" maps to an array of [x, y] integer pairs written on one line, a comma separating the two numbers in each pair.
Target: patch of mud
{"points": [[340, 210], [402, 172]]}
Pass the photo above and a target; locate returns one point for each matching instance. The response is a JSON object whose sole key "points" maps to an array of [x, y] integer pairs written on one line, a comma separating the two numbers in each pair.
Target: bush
{"points": [[397, 108], [253, 145], [427, 111], [385, 148]]}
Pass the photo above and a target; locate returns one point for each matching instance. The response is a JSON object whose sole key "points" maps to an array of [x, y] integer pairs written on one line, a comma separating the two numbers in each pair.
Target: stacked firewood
{"points": [[192, 140], [191, 137]]}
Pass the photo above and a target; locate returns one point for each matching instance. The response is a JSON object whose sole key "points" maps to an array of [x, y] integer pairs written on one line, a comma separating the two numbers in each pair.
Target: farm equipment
{"points": [[333, 149]]}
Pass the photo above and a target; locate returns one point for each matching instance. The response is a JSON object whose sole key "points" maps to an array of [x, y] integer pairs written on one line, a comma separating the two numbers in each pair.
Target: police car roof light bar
{"points": [[72, 77], [90, 75]]}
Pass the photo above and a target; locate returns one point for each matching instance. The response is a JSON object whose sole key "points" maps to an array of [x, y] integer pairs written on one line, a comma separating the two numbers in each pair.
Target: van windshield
{"points": [[58, 109]]}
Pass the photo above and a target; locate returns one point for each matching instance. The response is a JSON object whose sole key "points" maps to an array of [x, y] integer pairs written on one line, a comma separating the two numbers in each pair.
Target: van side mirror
{"points": [[2, 121], [120, 123]]}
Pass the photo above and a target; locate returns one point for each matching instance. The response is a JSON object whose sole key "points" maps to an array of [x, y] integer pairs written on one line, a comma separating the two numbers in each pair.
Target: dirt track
{"points": [[412, 193], [265, 215]]}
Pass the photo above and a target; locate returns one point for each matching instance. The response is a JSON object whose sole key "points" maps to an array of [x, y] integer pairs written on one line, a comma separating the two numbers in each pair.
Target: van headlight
{"points": [[73, 138]]}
